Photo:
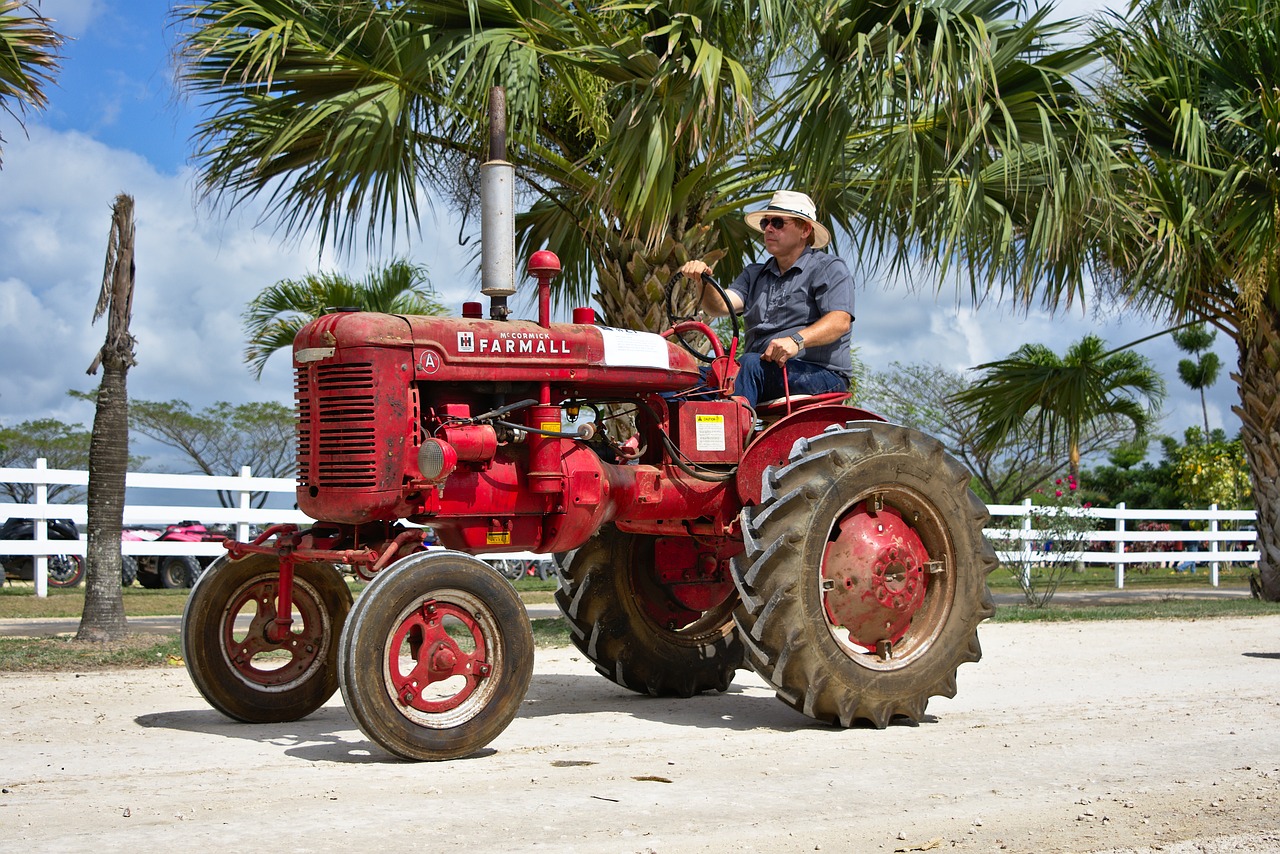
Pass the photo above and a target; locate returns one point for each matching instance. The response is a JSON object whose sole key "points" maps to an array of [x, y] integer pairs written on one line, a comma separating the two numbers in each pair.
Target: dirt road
{"points": [[1066, 737]]}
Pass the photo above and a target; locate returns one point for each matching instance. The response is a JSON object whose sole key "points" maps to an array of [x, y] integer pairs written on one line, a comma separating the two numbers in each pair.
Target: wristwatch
{"points": [[799, 339]]}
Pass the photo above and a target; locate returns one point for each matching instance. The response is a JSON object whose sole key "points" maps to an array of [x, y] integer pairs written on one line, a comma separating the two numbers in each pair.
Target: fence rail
{"points": [[242, 517], [1016, 543]]}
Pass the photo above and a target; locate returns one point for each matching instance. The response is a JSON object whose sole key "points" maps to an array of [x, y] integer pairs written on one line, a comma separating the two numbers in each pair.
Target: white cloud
{"points": [[196, 271]]}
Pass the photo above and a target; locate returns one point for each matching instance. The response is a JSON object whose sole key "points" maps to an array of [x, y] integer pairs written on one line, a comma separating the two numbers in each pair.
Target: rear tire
{"points": [[846, 631], [178, 572], [128, 570], [603, 585], [436, 656]]}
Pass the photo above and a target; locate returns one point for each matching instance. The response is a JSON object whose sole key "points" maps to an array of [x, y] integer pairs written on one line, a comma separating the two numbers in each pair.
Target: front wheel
{"points": [[864, 577], [65, 570], [436, 656], [228, 648]]}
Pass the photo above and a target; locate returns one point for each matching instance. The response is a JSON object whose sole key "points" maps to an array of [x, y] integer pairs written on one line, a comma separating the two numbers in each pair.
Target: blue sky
{"points": [[115, 123]]}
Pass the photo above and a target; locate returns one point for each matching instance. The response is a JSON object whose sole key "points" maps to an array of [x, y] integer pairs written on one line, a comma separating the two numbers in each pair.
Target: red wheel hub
{"points": [[874, 574], [434, 658], [250, 655]]}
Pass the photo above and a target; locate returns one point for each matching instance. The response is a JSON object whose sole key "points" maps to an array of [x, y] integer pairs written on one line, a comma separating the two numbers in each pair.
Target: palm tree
{"points": [[103, 617], [1201, 372], [946, 132], [1058, 399], [1194, 88], [28, 57], [274, 316]]}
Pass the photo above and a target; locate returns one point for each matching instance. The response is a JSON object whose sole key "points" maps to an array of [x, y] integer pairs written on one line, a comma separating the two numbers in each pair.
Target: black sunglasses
{"points": [[778, 222]]}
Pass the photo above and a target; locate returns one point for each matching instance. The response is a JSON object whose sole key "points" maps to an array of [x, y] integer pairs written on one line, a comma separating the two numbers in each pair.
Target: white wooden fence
{"points": [[242, 517], [1208, 541], [1015, 543]]}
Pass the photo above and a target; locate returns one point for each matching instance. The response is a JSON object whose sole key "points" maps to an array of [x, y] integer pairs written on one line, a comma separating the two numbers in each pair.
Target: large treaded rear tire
{"points": [[785, 617], [603, 584]]}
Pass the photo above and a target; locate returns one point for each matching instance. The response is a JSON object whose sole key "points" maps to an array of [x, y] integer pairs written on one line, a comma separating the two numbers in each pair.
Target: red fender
{"points": [[773, 446]]}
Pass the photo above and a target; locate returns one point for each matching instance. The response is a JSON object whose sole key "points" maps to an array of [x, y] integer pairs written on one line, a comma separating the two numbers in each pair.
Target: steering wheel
{"points": [[683, 323]]}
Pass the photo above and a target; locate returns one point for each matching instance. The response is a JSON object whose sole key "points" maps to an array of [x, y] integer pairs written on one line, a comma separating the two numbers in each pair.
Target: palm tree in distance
{"points": [[1201, 372], [28, 57], [1057, 398], [274, 316]]}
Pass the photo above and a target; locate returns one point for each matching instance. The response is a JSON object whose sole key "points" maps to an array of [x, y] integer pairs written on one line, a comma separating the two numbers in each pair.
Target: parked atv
{"points": [[171, 571], [64, 570]]}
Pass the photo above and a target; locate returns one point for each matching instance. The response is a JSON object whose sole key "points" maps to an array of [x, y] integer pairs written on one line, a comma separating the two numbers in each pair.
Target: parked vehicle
{"points": [[64, 570], [171, 571]]}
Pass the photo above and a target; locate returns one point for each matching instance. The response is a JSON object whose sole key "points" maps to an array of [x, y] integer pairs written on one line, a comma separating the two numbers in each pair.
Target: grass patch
{"points": [[1162, 609], [31, 655]]}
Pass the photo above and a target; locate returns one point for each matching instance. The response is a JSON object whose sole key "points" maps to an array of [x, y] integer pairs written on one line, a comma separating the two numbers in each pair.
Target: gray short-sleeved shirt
{"points": [[778, 305]]}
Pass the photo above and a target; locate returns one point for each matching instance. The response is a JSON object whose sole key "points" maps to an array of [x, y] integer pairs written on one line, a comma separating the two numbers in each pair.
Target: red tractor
{"points": [[839, 556]]}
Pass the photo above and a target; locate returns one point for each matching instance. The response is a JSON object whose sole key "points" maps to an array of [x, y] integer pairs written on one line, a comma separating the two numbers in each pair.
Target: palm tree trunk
{"points": [[103, 618], [1259, 411]]}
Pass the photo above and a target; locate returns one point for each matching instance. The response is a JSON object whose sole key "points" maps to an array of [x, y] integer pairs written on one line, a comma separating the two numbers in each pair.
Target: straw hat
{"points": [[796, 205]]}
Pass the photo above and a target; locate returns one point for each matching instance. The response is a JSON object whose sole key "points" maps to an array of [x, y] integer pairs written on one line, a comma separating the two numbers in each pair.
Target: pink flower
{"points": [[1072, 485], [1057, 493], [1058, 482]]}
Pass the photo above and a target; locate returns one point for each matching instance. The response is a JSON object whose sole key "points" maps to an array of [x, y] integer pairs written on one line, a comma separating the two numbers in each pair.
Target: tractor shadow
{"points": [[330, 735]]}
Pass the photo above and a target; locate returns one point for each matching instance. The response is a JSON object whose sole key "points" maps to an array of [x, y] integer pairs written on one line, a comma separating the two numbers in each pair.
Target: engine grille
{"points": [[337, 442]]}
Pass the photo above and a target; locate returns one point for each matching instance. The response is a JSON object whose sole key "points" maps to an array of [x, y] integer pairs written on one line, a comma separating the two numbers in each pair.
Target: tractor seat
{"points": [[778, 406]]}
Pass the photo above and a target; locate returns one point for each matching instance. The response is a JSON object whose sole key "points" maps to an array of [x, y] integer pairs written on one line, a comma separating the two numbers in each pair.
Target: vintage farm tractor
{"points": [[839, 556]]}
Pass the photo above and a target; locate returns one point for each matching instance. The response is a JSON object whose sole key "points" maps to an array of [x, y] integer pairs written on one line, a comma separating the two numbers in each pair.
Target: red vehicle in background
{"points": [[170, 571]]}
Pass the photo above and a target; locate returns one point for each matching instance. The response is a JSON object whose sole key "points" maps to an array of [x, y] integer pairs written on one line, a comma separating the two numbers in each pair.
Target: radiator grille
{"points": [[336, 426]]}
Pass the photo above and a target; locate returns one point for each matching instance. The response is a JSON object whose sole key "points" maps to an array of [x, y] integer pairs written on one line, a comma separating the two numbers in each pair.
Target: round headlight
{"points": [[436, 459]]}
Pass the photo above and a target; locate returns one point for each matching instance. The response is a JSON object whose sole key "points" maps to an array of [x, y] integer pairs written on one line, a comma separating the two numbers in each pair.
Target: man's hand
{"points": [[780, 349]]}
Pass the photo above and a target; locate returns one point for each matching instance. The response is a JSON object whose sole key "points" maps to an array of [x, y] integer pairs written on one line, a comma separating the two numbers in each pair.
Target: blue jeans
{"points": [[760, 380]]}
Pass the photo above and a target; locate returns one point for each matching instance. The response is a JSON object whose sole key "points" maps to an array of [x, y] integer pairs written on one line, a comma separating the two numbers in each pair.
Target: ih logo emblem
{"points": [[466, 342]]}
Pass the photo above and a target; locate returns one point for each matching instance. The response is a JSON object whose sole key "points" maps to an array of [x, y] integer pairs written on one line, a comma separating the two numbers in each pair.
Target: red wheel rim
{"points": [[443, 659], [261, 661], [436, 658]]}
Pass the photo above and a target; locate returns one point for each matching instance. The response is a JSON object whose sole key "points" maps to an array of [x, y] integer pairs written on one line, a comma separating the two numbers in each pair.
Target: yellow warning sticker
{"points": [[709, 432], [498, 538], [551, 426]]}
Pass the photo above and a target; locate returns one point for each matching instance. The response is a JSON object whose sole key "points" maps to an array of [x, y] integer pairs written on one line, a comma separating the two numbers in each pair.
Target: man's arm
{"points": [[710, 302], [825, 330]]}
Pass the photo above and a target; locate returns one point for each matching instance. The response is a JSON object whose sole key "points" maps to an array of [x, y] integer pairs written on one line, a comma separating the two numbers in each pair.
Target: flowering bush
{"points": [[1062, 527]]}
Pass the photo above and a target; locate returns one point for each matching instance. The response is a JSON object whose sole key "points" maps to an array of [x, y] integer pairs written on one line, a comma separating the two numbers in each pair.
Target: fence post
{"points": [[242, 528], [1026, 543], [40, 533], [1120, 547], [1213, 546]]}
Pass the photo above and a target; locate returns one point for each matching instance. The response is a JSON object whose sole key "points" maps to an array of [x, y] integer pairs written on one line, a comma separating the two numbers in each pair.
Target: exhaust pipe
{"points": [[497, 213]]}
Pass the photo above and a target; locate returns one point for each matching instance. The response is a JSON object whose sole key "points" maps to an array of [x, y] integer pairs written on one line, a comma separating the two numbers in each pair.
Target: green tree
{"points": [[274, 316], [1201, 372], [28, 58], [1128, 477], [64, 446], [222, 438], [1060, 398], [1209, 469], [938, 133], [1194, 91]]}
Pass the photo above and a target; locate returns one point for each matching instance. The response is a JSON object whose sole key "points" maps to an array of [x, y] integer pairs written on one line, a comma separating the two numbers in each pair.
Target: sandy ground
{"points": [[1114, 736]]}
